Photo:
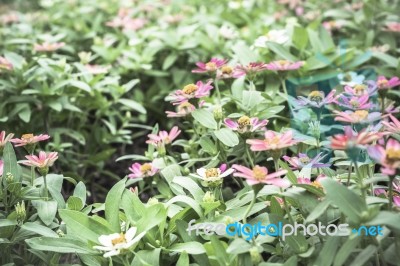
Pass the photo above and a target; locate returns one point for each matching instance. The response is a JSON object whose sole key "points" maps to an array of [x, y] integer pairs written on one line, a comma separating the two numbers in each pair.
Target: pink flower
{"points": [[357, 117], [302, 160], [250, 69], [392, 126], [4, 139], [384, 83], [317, 99], [163, 137], [332, 25], [5, 64], [9, 18], [385, 194], [210, 66], [272, 141], [393, 27], [29, 139], [284, 65], [260, 175], [226, 72], [352, 139], [388, 157], [142, 170], [44, 160], [1, 167], [183, 110], [97, 69], [307, 181], [246, 124], [355, 102], [369, 88], [191, 91], [48, 47]]}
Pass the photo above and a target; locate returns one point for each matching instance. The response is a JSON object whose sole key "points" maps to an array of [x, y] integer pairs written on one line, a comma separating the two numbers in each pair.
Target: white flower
{"points": [[213, 174], [228, 32], [277, 36], [113, 244]]}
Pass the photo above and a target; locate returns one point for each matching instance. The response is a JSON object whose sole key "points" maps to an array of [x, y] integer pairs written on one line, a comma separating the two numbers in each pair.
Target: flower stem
{"points": [[32, 175], [218, 92], [249, 156], [250, 207], [349, 175], [391, 192], [46, 192]]}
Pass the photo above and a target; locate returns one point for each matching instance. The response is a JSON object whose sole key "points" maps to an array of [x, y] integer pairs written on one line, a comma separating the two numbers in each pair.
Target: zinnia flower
{"points": [[250, 69], [284, 65], [48, 47], [388, 157], [246, 124], [213, 176], [116, 243], [276, 36], [384, 83], [317, 99], [163, 137], [354, 102], [142, 170], [226, 72], [4, 139], [183, 110], [357, 117], [273, 141], [260, 175], [302, 160], [385, 193], [191, 91], [393, 27], [351, 79], [351, 139], [209, 67], [29, 139], [97, 69], [393, 126], [43, 161], [5, 64], [369, 88]]}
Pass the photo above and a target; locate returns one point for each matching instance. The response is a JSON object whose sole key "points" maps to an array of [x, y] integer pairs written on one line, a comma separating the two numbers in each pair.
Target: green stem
{"points": [[250, 207], [349, 175], [391, 192], [46, 192], [218, 92], [249, 156], [285, 204], [359, 179], [32, 175]]}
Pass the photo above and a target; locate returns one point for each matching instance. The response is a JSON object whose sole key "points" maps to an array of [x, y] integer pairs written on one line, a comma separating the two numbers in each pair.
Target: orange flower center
{"points": [[283, 62], [243, 121], [273, 141], [316, 96], [226, 70], [212, 172], [211, 66], [258, 173], [304, 160], [361, 114], [393, 155], [190, 89], [382, 83], [316, 184], [145, 168], [354, 103], [186, 106], [119, 240]]}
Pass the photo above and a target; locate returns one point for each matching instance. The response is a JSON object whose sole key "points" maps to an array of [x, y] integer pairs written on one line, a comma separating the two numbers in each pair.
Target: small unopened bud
{"points": [[85, 57], [228, 220], [152, 201], [43, 170], [21, 212], [60, 233], [255, 255], [208, 197], [9, 178], [218, 113], [134, 190]]}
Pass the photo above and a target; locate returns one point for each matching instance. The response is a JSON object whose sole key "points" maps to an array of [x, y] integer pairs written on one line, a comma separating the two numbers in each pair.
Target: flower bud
{"points": [[208, 197], [255, 255], [218, 113], [60, 233], [43, 170], [228, 220], [152, 201], [21, 212], [9, 178]]}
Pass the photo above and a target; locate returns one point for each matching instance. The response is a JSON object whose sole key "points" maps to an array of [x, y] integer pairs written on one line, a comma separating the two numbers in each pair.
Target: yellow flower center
{"points": [[211, 66], [304, 160], [27, 136], [360, 89], [212, 172], [354, 103], [273, 141], [185, 106], [190, 89], [243, 121], [316, 184], [316, 96], [258, 173], [145, 168], [382, 83], [393, 155], [361, 114], [119, 240], [226, 70], [283, 62]]}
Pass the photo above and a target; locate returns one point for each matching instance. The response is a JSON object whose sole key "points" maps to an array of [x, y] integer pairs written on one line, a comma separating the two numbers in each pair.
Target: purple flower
{"points": [[302, 161], [245, 124], [355, 102], [317, 99]]}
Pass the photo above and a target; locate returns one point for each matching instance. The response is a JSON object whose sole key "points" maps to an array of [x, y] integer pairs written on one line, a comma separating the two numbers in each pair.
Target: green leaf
{"points": [[300, 37], [187, 201], [290, 175], [183, 259], [39, 229], [208, 145], [83, 226], [112, 203], [205, 118], [328, 252], [318, 211], [169, 61], [364, 256], [47, 210], [188, 247], [74, 203], [346, 249], [10, 164], [147, 257], [80, 85], [187, 183], [60, 245], [154, 216], [227, 137], [80, 191], [238, 246], [133, 105], [348, 202], [250, 99], [388, 219], [281, 51]]}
